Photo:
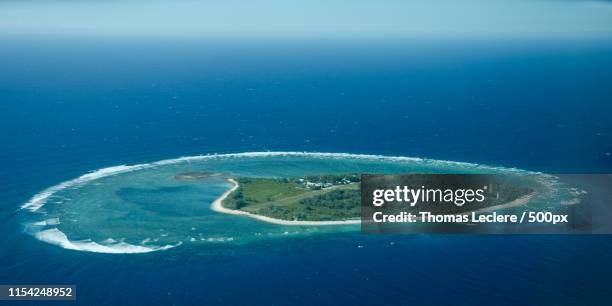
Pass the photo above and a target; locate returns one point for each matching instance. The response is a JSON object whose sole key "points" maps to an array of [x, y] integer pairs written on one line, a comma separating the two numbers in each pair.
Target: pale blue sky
{"points": [[420, 18]]}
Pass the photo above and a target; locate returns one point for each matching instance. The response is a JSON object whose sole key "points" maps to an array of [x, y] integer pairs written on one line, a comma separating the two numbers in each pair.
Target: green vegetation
{"points": [[312, 198]]}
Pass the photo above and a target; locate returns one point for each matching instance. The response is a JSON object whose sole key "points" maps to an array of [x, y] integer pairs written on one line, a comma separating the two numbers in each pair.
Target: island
{"points": [[312, 198], [327, 199]]}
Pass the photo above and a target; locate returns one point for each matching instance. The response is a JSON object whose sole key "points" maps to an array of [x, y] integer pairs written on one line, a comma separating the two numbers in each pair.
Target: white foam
{"points": [[217, 239], [56, 237], [573, 201], [40, 199]]}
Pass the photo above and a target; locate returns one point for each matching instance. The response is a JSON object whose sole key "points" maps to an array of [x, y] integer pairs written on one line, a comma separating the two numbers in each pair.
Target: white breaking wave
{"points": [[56, 237], [218, 239], [40, 199]]}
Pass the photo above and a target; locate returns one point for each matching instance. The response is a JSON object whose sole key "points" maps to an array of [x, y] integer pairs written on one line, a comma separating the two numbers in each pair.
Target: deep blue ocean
{"points": [[69, 105]]}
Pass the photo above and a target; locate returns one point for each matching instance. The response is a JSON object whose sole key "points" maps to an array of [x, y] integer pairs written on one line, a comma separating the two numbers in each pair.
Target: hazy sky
{"points": [[429, 18]]}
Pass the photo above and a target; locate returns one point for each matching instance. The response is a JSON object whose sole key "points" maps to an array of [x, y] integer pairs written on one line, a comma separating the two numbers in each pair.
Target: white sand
{"points": [[216, 206]]}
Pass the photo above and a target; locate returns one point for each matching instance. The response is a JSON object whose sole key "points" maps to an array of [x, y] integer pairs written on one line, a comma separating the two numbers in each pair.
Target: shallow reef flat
{"points": [[166, 204]]}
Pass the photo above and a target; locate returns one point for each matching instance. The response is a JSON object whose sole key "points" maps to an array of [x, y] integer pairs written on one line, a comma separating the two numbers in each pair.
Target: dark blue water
{"points": [[69, 105]]}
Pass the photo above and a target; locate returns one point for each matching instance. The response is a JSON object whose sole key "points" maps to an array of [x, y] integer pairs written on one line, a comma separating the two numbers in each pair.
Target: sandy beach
{"points": [[218, 207]]}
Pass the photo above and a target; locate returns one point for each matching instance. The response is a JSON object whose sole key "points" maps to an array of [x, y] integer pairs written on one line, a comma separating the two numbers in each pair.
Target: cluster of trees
{"points": [[238, 199], [337, 199], [334, 205]]}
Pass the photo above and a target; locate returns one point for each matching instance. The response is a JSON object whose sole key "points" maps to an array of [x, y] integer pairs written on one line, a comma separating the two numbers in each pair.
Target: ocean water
{"points": [[71, 105]]}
